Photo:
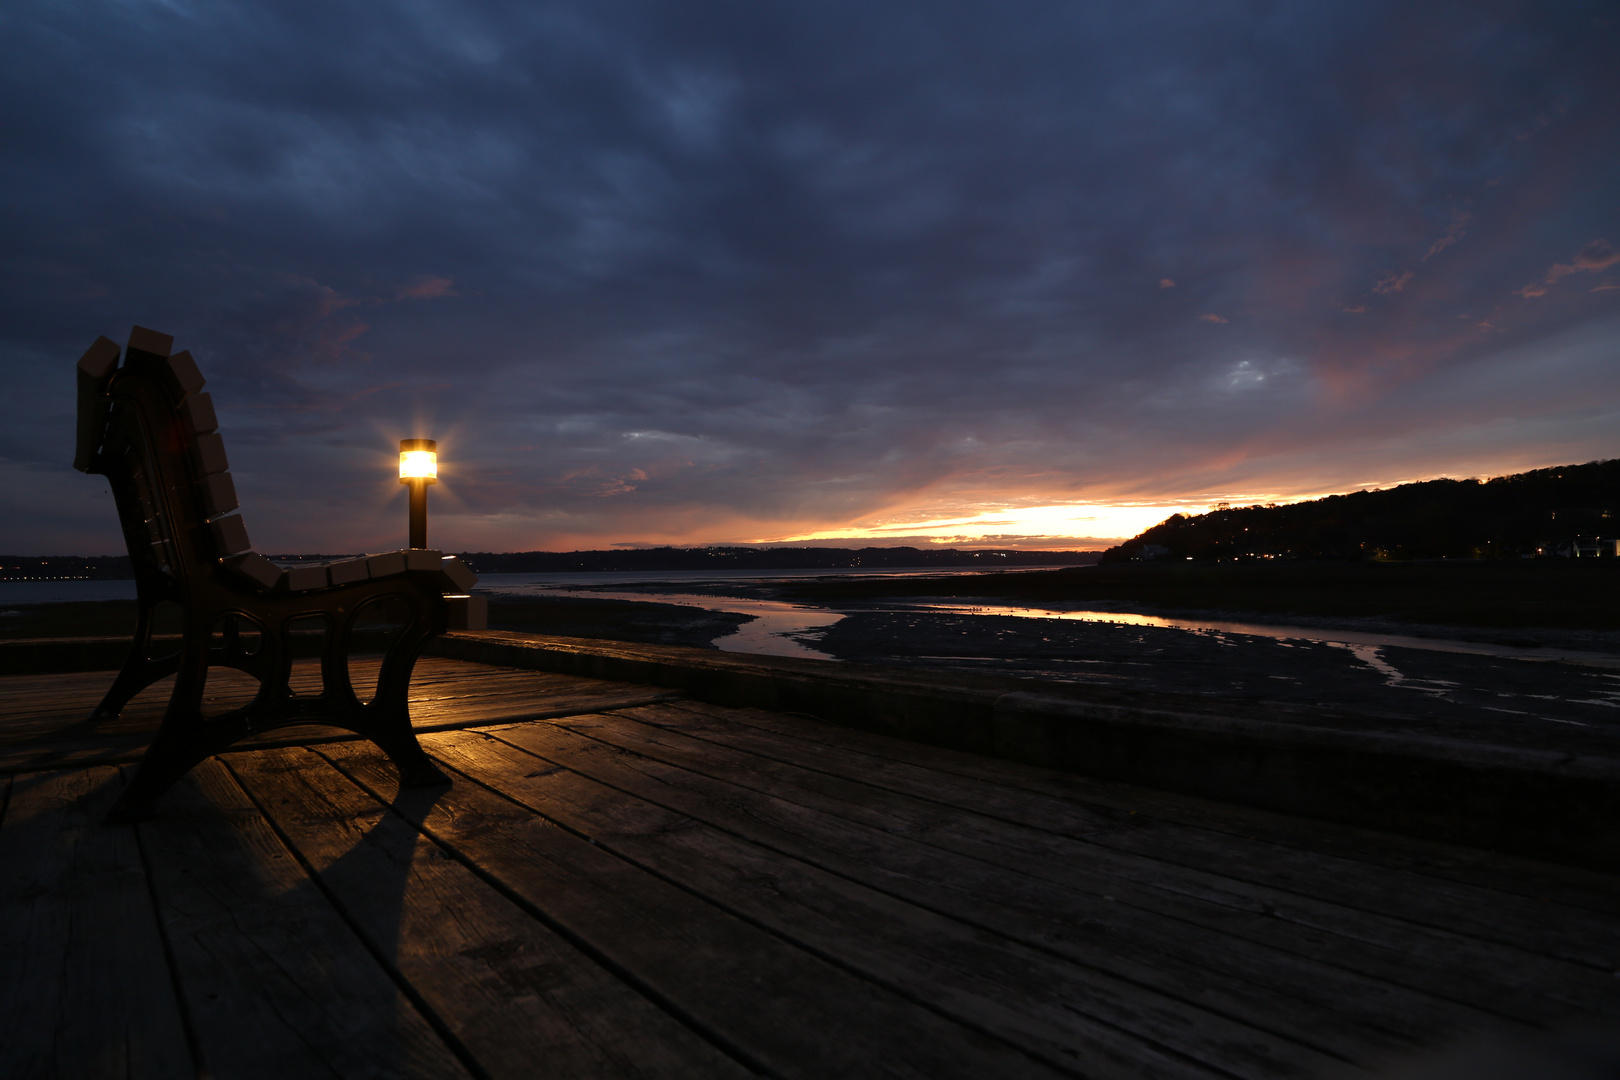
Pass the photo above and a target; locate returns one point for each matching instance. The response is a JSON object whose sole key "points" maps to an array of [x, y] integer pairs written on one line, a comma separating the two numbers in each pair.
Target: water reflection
{"points": [[776, 628], [780, 628], [1279, 631]]}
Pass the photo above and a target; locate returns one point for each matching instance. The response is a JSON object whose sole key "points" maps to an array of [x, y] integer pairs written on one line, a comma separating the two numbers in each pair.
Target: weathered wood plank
{"points": [[517, 996], [44, 727], [85, 990], [33, 703], [1230, 841], [1379, 946], [69, 697], [29, 703], [53, 755], [1070, 1015], [275, 982], [1510, 874], [770, 1003], [1229, 944]]}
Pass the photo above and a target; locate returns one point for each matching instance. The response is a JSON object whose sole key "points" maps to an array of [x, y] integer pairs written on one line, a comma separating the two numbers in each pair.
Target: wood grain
{"points": [[1068, 1013], [43, 726], [276, 983], [85, 990], [775, 1006], [514, 992], [1427, 859], [1440, 963], [1293, 1001]]}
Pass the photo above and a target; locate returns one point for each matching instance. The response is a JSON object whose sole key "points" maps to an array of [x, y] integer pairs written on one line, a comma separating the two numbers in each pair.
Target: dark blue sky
{"points": [[703, 271]]}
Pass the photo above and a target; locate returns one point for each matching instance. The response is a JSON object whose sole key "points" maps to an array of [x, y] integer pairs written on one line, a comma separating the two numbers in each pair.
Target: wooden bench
{"points": [[149, 428]]}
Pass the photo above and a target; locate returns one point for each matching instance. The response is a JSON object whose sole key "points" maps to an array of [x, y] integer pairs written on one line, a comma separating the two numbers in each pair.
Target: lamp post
{"points": [[418, 467]]}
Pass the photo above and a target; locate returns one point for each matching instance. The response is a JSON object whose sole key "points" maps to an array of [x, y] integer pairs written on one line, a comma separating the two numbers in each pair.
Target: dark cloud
{"points": [[732, 270]]}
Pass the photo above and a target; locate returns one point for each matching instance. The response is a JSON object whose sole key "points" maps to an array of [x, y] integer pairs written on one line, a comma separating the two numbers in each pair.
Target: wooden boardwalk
{"points": [[623, 883]]}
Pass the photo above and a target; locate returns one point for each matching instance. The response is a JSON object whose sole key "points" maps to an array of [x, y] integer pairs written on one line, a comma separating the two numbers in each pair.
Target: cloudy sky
{"points": [[1029, 273]]}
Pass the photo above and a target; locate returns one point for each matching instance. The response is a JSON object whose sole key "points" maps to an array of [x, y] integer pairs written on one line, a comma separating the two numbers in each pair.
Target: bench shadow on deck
{"points": [[623, 882]]}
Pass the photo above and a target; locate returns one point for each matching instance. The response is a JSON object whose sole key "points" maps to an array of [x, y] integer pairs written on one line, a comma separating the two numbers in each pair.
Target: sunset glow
{"points": [[862, 272], [1065, 525]]}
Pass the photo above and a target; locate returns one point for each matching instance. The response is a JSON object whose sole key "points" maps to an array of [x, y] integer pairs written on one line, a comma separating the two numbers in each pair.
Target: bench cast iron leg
{"points": [[184, 739]]}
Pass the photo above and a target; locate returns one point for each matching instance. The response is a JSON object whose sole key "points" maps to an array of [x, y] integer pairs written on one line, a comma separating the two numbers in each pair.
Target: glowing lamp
{"points": [[418, 467], [418, 460]]}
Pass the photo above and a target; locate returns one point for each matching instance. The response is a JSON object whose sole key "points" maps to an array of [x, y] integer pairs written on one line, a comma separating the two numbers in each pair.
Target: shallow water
{"points": [[64, 592], [772, 631]]}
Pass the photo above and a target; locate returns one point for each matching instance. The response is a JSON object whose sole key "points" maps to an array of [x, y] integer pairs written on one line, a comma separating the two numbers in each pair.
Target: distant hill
{"points": [[1543, 512], [756, 558]]}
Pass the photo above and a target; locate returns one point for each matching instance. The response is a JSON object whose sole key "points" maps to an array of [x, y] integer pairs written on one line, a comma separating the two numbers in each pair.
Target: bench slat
{"points": [[230, 535], [209, 452], [218, 493], [197, 410]]}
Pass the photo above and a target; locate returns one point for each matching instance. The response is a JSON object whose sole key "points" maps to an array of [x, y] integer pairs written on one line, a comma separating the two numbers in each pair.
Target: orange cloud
{"points": [[427, 288], [1454, 232], [1392, 282], [1166, 283], [1212, 318], [1594, 258]]}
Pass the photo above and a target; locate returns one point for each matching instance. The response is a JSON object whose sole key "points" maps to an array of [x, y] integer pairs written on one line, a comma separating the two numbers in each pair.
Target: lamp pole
{"points": [[418, 467]]}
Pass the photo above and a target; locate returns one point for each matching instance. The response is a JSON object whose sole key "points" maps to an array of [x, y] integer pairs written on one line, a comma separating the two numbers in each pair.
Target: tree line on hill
{"points": [[1545, 512]]}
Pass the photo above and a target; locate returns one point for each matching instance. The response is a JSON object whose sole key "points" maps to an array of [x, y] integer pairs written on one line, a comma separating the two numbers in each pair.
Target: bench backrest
{"points": [[149, 427]]}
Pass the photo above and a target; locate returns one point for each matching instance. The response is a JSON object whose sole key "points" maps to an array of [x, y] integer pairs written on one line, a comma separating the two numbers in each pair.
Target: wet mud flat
{"points": [[614, 620], [1508, 701], [1576, 595]]}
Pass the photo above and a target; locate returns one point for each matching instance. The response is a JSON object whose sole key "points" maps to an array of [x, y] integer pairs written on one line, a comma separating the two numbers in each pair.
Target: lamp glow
{"points": [[418, 467], [418, 460]]}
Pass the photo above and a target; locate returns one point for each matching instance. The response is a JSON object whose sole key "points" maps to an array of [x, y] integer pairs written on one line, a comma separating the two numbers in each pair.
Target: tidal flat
{"points": [[1377, 640], [1446, 694], [1580, 595]]}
